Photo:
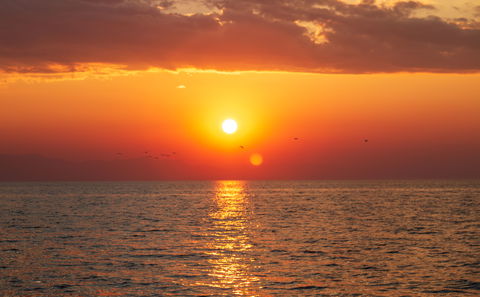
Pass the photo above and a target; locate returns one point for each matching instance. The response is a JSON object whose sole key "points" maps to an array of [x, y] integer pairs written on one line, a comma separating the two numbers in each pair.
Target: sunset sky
{"points": [[318, 88]]}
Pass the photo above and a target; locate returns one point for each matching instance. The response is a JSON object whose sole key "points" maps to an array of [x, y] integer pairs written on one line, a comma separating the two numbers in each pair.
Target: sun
{"points": [[229, 126]]}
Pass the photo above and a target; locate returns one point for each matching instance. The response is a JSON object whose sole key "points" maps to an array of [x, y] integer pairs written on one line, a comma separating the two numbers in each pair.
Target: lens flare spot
{"points": [[256, 159]]}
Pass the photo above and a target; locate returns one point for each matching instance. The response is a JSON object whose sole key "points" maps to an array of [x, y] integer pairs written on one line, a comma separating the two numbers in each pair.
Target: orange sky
{"points": [[408, 88], [407, 118]]}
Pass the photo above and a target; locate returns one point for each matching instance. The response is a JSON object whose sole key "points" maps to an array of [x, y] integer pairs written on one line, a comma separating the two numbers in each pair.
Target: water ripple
{"points": [[233, 238]]}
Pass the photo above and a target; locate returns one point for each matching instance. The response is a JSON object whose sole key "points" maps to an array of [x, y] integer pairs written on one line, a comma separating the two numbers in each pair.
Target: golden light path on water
{"points": [[231, 265]]}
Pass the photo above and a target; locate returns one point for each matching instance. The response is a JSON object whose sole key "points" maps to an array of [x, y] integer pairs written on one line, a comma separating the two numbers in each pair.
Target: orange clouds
{"points": [[294, 35]]}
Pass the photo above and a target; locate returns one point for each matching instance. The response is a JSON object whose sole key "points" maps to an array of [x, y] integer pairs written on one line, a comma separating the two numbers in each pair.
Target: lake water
{"points": [[240, 238]]}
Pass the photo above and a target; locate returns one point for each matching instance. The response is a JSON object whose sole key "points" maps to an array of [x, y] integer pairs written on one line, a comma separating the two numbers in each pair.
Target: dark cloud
{"points": [[245, 35]]}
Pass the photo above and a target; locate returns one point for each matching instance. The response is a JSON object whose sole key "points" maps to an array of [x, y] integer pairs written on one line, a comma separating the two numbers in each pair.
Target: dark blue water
{"points": [[389, 238]]}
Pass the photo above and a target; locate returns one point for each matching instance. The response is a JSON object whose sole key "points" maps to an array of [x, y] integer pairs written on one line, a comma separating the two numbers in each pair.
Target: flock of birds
{"points": [[147, 154], [296, 139]]}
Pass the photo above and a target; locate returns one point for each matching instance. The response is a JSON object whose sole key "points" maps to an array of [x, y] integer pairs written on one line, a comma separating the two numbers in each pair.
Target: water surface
{"points": [[235, 238]]}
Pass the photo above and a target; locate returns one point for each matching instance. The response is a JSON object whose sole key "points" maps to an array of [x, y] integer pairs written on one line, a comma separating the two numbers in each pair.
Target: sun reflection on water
{"points": [[231, 263]]}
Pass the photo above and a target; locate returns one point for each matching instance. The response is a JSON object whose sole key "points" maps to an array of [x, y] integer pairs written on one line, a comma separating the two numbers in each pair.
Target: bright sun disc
{"points": [[229, 126]]}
